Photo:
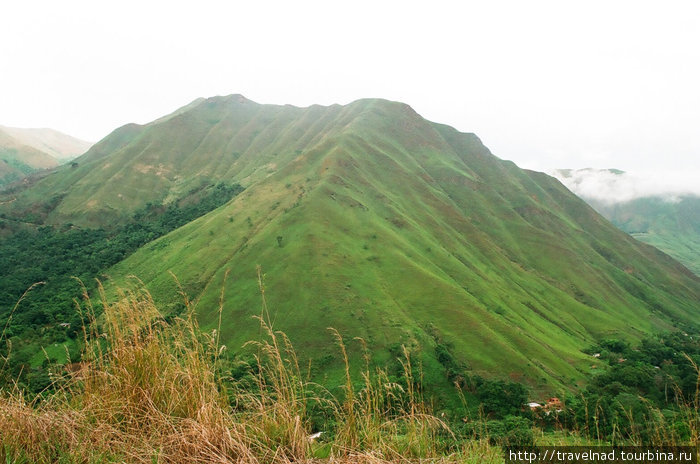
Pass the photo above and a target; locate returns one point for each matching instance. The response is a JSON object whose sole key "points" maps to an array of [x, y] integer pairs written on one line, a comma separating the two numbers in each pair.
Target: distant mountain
{"points": [[23, 151], [18, 160], [57, 144], [667, 217], [370, 219]]}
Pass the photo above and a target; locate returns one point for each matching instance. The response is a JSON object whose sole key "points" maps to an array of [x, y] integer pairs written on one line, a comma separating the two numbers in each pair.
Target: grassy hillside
{"points": [[372, 220], [224, 138], [671, 226], [665, 217]]}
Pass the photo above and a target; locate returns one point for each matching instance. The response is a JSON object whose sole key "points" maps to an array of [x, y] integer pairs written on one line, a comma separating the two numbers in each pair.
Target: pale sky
{"points": [[547, 84]]}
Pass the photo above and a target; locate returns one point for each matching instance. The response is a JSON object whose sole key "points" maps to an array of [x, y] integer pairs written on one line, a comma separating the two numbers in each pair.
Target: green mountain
{"points": [[370, 219], [670, 222], [24, 151], [227, 138]]}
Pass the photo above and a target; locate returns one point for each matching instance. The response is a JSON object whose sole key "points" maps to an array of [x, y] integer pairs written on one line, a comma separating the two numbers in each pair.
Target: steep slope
{"points": [[669, 221], [224, 138], [372, 220]]}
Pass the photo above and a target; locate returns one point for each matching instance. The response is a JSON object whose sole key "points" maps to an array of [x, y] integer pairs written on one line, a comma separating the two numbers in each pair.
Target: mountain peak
{"points": [[384, 104], [371, 219], [235, 98]]}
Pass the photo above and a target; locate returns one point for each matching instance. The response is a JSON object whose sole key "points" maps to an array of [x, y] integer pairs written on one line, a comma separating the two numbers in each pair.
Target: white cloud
{"points": [[611, 186]]}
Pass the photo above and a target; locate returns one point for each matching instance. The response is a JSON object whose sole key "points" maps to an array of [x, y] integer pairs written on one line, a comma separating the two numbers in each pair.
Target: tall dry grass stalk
{"points": [[149, 389], [145, 390], [386, 416]]}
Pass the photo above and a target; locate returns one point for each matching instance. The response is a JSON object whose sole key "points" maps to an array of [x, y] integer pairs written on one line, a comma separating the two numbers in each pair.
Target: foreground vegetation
{"points": [[152, 391], [152, 388]]}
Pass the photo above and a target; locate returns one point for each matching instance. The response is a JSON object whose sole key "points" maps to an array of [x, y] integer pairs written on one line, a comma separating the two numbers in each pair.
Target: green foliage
{"points": [[47, 315], [512, 431], [643, 394], [499, 398]]}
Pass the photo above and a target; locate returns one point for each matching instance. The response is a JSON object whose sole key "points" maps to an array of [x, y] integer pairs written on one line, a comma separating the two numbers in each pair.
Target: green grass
{"points": [[156, 391], [55, 352], [153, 388], [393, 229], [683, 247]]}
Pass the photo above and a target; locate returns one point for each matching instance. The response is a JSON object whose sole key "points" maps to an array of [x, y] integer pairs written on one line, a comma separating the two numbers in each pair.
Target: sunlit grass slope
{"points": [[372, 220]]}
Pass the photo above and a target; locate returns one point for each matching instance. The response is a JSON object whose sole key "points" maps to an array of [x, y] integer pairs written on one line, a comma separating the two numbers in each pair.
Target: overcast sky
{"points": [[546, 84]]}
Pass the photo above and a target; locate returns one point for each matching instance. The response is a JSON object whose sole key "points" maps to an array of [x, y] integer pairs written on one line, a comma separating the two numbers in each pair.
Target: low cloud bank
{"points": [[613, 186]]}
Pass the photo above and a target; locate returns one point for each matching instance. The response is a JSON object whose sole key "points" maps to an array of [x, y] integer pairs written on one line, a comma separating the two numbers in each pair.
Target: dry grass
{"points": [[148, 391], [151, 390]]}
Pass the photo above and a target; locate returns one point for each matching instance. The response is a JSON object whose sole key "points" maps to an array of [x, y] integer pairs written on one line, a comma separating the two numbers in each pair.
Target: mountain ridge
{"points": [[370, 219]]}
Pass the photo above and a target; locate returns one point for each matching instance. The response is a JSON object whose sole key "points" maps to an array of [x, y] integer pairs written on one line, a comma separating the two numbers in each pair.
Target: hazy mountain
{"points": [[23, 151], [18, 160], [660, 212], [61, 146], [372, 220]]}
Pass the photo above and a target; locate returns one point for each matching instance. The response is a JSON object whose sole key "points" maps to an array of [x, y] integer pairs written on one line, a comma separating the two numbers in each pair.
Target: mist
{"points": [[613, 186]]}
